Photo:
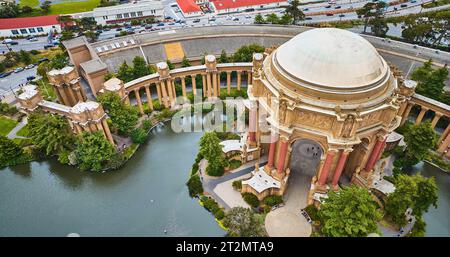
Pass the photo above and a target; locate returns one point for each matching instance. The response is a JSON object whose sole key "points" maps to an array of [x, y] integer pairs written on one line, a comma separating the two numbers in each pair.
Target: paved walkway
{"points": [[13, 133], [210, 183]]}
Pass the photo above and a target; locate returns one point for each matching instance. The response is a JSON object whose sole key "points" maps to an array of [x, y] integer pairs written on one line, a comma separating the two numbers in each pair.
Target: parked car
{"points": [[306, 9], [43, 60], [330, 14], [341, 15], [148, 26], [403, 5], [235, 19], [17, 70], [337, 7], [308, 18], [10, 41], [328, 6], [29, 66], [30, 78], [47, 46], [119, 29], [212, 19], [5, 74], [196, 20], [160, 24]]}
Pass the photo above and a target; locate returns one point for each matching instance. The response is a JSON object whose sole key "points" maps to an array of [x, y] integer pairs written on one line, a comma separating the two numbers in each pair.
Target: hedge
{"points": [[251, 199], [273, 200]]}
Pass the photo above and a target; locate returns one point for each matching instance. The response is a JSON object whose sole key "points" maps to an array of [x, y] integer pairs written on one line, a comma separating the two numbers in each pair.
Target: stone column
{"points": [[194, 85], [64, 99], [436, 118], [72, 99], [271, 152], [164, 94], [229, 82], [208, 85], [406, 113], [282, 155], [239, 80], [174, 92], [249, 78], [376, 151], [423, 110], [183, 86], [340, 167], [204, 85], [214, 84], [326, 167], [444, 145], [446, 131], [107, 131], [78, 128], [252, 122], [138, 98], [158, 92], [149, 97]]}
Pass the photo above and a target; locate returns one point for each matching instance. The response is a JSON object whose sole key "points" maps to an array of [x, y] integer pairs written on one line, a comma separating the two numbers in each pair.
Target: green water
{"points": [[144, 198]]}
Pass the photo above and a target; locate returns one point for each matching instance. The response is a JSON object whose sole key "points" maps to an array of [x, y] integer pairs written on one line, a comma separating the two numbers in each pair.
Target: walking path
{"points": [[13, 133], [210, 183]]}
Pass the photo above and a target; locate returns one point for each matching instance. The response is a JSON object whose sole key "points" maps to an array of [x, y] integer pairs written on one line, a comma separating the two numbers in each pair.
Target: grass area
{"points": [[74, 7], [436, 4], [30, 3], [6, 124], [23, 132], [47, 90]]}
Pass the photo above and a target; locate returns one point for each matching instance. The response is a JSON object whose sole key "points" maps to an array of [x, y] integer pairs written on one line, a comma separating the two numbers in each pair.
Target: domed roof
{"points": [[332, 58]]}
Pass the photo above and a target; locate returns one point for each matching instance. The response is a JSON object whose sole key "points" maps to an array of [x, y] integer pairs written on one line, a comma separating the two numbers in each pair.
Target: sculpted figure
{"points": [[348, 125]]}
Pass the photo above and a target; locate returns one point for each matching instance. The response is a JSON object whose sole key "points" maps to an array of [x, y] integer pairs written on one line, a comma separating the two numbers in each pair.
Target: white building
{"points": [[127, 12], [22, 27]]}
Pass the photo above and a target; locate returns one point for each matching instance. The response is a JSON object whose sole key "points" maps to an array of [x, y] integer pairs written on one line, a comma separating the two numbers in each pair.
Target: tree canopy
{"points": [[93, 151], [294, 11], [123, 117], [245, 53], [430, 82], [349, 212], [211, 149], [10, 152], [52, 133], [416, 192], [419, 140], [242, 222]]}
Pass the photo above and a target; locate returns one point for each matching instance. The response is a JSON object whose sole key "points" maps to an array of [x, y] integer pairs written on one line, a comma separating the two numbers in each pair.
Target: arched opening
{"points": [[355, 159], [304, 162]]}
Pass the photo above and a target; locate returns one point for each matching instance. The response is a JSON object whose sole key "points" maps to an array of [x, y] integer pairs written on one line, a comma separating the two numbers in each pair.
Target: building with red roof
{"points": [[190, 8], [193, 7], [13, 27]]}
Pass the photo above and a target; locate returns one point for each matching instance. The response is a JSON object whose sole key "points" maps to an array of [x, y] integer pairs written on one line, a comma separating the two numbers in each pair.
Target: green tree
{"points": [[59, 61], [66, 35], [245, 53], [170, 65], [26, 9], [223, 58], [93, 151], [123, 117], [379, 26], [194, 186], [91, 35], [272, 19], [9, 10], [45, 6], [286, 19], [211, 149], [294, 11], [367, 11], [430, 82], [419, 140], [139, 136], [52, 133], [185, 63], [416, 192], [140, 67], [242, 222], [349, 212], [259, 19], [125, 73], [25, 57], [88, 23], [10, 152]]}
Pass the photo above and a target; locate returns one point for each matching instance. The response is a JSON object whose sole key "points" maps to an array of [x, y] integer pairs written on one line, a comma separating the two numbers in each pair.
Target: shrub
{"points": [[312, 212], [234, 164], [146, 125], [139, 136], [237, 184], [273, 200], [195, 186], [194, 168], [220, 214], [251, 199]]}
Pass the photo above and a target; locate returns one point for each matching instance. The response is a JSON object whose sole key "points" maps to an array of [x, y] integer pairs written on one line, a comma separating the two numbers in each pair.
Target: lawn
{"points": [[73, 7], [23, 132], [6, 124], [30, 3]]}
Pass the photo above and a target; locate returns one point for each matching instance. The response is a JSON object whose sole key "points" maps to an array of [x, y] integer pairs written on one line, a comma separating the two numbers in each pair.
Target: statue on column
{"points": [[348, 126]]}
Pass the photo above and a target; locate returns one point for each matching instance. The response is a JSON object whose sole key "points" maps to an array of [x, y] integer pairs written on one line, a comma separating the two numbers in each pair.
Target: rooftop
{"points": [[188, 6], [229, 4], [28, 22], [261, 181]]}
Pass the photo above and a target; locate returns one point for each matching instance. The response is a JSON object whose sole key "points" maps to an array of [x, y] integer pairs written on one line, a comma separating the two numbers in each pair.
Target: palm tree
{"points": [[294, 10]]}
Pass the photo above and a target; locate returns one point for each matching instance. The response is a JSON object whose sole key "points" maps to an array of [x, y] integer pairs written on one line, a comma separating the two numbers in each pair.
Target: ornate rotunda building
{"points": [[330, 101]]}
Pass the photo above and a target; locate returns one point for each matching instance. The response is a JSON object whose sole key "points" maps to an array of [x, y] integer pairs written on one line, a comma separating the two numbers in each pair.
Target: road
{"points": [[26, 45], [14, 80]]}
